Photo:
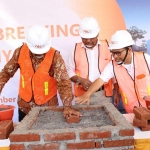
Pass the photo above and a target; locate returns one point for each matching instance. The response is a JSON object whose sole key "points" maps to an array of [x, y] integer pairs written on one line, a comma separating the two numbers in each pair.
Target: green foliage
{"points": [[136, 33]]}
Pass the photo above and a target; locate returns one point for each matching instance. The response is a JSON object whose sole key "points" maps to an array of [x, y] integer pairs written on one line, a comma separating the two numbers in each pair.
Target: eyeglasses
{"points": [[117, 53]]}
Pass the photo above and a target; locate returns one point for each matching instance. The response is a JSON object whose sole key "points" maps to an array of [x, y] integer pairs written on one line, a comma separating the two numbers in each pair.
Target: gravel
{"points": [[55, 120]]}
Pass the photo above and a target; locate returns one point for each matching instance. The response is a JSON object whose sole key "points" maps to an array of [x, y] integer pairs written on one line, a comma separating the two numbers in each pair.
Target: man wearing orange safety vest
{"points": [[42, 71], [131, 69], [87, 61]]}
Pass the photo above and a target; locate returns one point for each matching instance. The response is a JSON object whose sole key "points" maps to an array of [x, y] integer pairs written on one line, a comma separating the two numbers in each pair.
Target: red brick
{"points": [[117, 143], [36, 147], [60, 136], [52, 146], [126, 132], [48, 146], [6, 127], [73, 119], [147, 128], [54, 108], [98, 144], [17, 147], [24, 137], [139, 123], [95, 135], [100, 108], [142, 113], [87, 108], [81, 145]]}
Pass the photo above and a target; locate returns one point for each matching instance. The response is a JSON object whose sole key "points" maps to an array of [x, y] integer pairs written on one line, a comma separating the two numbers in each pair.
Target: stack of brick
{"points": [[6, 127], [142, 118]]}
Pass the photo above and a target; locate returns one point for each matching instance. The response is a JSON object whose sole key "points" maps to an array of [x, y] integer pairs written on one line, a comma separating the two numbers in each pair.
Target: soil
{"points": [[55, 120], [2, 109]]}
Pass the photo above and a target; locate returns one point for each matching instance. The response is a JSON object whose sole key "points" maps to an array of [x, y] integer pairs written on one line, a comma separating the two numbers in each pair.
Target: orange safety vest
{"points": [[82, 66], [133, 91], [38, 84]]}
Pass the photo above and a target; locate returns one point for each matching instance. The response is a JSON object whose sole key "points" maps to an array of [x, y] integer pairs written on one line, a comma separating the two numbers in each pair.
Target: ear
{"points": [[130, 49]]}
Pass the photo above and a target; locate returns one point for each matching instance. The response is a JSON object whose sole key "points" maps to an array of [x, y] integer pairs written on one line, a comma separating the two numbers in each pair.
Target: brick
{"points": [[52, 146], [73, 119], [87, 108], [142, 113], [95, 135], [148, 107], [36, 147], [47, 146], [81, 145], [54, 108], [139, 123], [6, 127], [60, 136], [126, 132], [17, 147], [117, 143], [98, 144], [147, 128], [100, 108], [24, 137]]}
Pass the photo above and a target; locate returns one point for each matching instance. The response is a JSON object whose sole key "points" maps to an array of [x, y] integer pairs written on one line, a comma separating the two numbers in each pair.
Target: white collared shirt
{"points": [[108, 72], [92, 56]]}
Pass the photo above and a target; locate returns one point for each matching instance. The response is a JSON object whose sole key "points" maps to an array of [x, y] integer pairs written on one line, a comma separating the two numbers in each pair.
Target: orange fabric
{"points": [[82, 66], [38, 84], [133, 90]]}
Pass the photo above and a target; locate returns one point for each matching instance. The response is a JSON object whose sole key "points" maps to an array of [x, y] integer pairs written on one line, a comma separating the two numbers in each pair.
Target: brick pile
{"points": [[6, 127], [142, 118]]}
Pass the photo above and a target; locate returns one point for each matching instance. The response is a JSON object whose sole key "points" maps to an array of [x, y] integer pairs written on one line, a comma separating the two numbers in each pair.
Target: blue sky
{"points": [[136, 13]]}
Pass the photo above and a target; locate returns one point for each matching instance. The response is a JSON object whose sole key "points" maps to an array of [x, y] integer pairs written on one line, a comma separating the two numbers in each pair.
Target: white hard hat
{"points": [[89, 27], [121, 39], [38, 39]]}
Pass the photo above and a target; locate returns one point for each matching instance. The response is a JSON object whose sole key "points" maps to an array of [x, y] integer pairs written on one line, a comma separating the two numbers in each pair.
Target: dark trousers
{"points": [[21, 115]]}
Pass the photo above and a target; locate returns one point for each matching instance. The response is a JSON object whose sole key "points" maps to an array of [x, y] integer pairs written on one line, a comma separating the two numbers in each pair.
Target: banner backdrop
{"points": [[62, 18]]}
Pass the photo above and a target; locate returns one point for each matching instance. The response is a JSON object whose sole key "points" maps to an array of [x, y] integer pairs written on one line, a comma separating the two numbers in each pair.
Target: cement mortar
{"points": [[55, 120]]}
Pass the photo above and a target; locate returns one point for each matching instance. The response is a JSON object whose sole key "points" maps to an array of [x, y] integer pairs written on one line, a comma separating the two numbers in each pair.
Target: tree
{"points": [[136, 33], [143, 43]]}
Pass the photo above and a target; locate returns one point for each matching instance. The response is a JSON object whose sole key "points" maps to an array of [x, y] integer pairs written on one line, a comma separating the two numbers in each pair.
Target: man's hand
{"points": [[68, 111], [116, 99], [86, 83], [85, 98]]}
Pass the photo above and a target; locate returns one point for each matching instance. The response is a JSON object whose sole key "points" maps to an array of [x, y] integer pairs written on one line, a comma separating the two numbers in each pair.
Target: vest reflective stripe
{"points": [[22, 80], [125, 98], [38, 84], [82, 67], [131, 90], [46, 88]]}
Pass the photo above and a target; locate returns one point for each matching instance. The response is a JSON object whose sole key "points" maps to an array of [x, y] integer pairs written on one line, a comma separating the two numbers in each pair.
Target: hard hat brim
{"points": [[119, 46], [39, 50], [89, 35]]}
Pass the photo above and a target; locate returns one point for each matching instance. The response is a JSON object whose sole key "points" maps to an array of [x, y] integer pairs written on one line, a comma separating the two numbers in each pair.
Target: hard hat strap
{"points": [[126, 49]]}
